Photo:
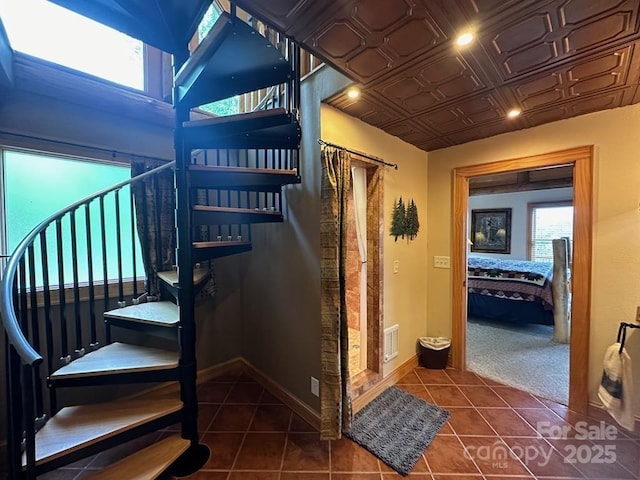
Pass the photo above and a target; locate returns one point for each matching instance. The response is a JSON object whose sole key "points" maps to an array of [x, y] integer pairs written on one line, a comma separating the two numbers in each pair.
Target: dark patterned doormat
{"points": [[397, 427]]}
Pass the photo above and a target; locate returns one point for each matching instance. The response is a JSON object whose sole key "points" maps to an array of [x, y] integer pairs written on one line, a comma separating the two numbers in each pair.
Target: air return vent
{"points": [[390, 343]]}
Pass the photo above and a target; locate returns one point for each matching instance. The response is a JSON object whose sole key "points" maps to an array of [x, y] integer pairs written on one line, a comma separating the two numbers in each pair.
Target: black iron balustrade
{"points": [[45, 325]]}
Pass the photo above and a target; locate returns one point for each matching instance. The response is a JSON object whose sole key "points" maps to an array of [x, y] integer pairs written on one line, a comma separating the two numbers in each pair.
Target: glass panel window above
{"points": [[50, 32]]}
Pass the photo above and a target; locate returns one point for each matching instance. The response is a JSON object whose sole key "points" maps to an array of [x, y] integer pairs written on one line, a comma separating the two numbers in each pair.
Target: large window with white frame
{"points": [[548, 221]]}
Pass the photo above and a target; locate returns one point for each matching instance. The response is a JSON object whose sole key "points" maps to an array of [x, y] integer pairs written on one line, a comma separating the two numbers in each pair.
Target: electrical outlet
{"points": [[441, 262], [396, 266], [315, 386]]}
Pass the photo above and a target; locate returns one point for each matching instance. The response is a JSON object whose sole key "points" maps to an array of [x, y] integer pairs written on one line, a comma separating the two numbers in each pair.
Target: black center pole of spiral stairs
{"points": [[197, 454]]}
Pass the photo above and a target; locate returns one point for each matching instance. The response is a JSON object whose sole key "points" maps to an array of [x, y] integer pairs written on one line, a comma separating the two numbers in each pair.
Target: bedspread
{"points": [[513, 279]]}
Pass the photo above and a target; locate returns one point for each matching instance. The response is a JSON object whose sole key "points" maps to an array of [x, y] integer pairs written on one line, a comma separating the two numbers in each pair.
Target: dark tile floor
{"points": [[495, 432]]}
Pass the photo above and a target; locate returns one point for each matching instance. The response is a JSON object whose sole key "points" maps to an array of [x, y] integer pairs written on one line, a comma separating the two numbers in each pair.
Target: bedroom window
{"points": [[546, 222]]}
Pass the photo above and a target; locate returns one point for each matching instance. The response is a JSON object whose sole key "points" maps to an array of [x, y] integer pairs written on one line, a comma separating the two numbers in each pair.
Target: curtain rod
{"points": [[356, 152]]}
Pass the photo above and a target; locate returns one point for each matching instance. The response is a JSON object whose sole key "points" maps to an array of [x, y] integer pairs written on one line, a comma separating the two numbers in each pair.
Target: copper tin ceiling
{"points": [[551, 59]]}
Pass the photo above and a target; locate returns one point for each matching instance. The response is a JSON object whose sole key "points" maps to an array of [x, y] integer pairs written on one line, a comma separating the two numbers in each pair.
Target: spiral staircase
{"points": [[229, 173]]}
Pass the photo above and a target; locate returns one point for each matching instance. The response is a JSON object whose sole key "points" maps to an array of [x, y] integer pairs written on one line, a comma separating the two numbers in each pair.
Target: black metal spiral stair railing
{"points": [[229, 173], [42, 310]]}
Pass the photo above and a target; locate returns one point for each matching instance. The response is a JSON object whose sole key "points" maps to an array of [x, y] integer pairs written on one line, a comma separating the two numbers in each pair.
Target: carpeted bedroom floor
{"points": [[522, 356]]}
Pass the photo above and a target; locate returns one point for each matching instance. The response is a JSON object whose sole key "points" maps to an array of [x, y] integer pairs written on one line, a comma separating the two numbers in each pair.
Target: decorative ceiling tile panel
{"points": [[483, 108], [527, 43], [609, 70], [367, 108], [285, 14], [554, 59], [429, 84], [413, 36], [339, 40], [368, 63], [377, 15], [595, 33]]}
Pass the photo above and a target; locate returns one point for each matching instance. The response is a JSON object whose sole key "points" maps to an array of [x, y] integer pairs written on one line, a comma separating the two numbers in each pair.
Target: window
{"points": [[30, 198], [548, 221], [226, 106], [48, 31]]}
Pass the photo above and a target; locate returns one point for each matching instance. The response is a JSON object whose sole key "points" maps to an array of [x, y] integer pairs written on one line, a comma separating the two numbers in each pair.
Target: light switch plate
{"points": [[441, 262]]}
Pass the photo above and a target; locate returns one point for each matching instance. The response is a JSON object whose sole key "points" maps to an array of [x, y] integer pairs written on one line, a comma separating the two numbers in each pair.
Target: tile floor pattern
{"points": [[253, 436]]}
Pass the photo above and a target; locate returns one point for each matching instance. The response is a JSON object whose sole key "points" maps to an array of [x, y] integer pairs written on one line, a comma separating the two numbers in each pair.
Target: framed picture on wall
{"points": [[491, 230]]}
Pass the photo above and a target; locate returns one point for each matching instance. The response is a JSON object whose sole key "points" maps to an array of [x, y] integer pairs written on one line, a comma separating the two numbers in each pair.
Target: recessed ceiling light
{"points": [[514, 113], [353, 92], [464, 39]]}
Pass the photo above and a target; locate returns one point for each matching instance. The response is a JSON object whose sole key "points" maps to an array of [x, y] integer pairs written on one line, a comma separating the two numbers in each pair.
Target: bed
{"points": [[516, 291]]}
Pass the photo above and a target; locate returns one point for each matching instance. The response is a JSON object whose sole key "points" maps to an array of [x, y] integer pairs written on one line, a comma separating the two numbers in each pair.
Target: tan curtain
{"points": [[335, 391], [155, 200]]}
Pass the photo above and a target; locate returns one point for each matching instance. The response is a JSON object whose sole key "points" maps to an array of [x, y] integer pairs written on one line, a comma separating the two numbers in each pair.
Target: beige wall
{"points": [[280, 288], [616, 253], [403, 293], [281, 277]]}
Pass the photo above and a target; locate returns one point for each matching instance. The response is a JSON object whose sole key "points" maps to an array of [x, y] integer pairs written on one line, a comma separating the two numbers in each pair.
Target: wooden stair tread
{"points": [[241, 178], [229, 169], [203, 251], [212, 215], [219, 244], [118, 358], [73, 428], [171, 276], [212, 208], [245, 116], [164, 314], [274, 128], [147, 463]]}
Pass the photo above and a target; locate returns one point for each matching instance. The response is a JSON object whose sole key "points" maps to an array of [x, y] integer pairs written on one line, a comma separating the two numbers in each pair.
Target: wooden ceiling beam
{"points": [[521, 187]]}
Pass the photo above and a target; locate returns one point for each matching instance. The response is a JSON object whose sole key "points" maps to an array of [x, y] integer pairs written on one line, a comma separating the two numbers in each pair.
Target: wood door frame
{"points": [[582, 159]]}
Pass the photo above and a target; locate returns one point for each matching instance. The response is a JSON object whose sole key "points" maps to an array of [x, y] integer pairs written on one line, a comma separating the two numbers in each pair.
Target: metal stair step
{"points": [[167, 25], [117, 358], [275, 128], [171, 277], [209, 250], [163, 314], [146, 464], [241, 178], [211, 215], [79, 427], [232, 59]]}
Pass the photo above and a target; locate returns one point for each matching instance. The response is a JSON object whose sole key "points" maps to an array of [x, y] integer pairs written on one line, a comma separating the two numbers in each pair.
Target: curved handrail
{"points": [[7, 312]]}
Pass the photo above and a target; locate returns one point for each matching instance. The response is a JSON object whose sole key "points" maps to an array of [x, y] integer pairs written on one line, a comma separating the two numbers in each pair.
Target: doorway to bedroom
{"points": [[510, 304], [469, 179]]}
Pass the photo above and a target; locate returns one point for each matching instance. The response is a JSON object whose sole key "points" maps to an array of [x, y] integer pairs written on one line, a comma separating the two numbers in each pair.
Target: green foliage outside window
{"points": [[226, 106]]}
